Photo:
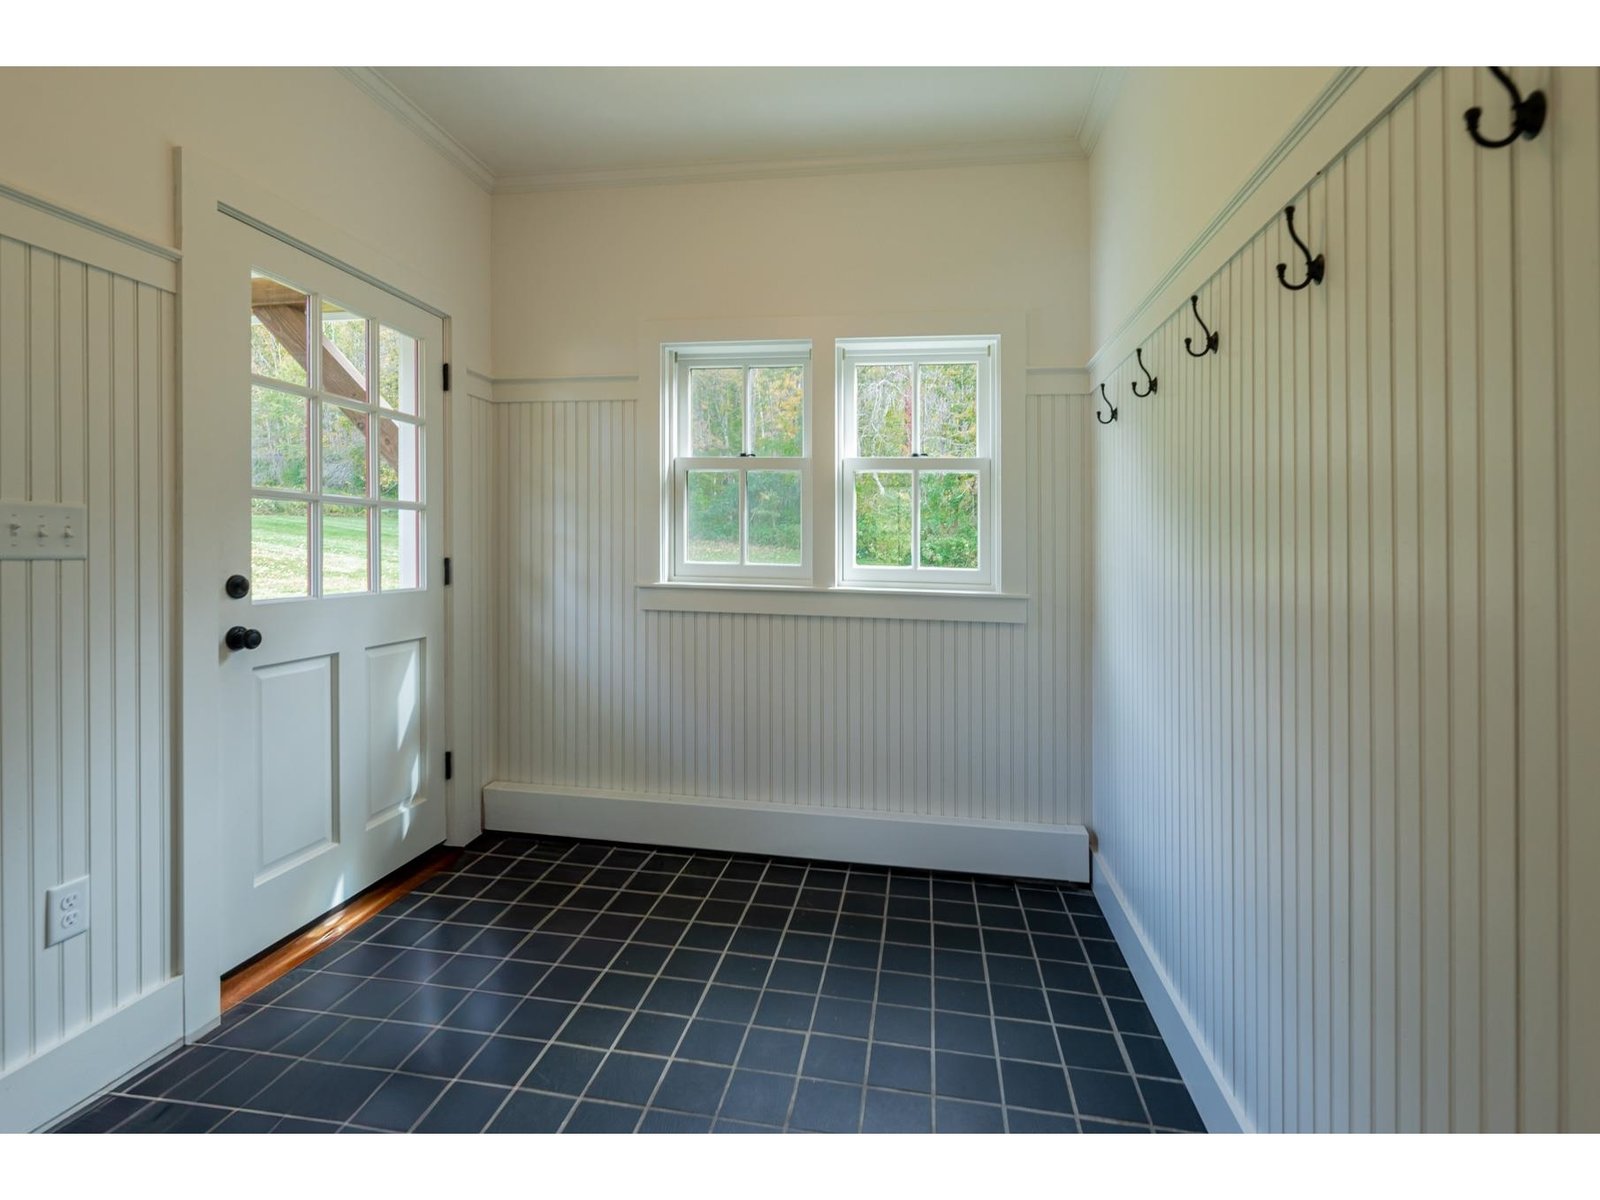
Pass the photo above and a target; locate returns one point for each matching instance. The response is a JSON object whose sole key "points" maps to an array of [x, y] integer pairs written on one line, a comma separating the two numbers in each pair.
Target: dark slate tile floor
{"points": [[549, 985]]}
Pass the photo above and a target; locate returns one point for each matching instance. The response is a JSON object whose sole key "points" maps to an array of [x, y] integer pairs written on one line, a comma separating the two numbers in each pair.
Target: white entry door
{"points": [[330, 623]]}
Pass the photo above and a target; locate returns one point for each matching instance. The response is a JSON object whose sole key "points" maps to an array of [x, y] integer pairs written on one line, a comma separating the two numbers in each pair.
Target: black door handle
{"points": [[240, 638], [237, 587]]}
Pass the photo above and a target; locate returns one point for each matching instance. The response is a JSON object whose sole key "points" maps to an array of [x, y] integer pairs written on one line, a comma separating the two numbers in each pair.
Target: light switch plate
{"points": [[66, 910], [43, 531]]}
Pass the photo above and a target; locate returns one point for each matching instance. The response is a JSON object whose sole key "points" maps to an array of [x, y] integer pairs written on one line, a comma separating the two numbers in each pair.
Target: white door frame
{"points": [[205, 191]]}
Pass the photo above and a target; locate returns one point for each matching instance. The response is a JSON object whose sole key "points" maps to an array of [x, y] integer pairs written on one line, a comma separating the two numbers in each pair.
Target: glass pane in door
{"points": [[344, 549], [399, 371], [278, 440], [277, 330], [280, 549], [399, 549], [344, 352], [399, 460], [344, 450]]}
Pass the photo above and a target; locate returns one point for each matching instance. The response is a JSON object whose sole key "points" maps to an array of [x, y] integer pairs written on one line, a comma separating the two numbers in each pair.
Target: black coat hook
{"points": [[1211, 338], [1111, 406], [1527, 116], [1314, 266], [1150, 388]]}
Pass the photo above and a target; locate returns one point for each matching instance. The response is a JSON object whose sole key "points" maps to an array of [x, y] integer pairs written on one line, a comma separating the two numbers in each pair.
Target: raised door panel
{"points": [[396, 727], [297, 753]]}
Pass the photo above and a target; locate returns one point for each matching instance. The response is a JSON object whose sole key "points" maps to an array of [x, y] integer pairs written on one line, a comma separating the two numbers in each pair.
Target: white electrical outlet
{"points": [[66, 910]]}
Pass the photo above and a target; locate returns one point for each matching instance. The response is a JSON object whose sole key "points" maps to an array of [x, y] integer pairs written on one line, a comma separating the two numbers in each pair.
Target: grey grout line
{"points": [[491, 1034], [672, 1056], [994, 1031], [761, 993], [378, 1021], [689, 1020], [556, 1033], [872, 1005], [346, 1018], [1038, 966], [145, 1101], [1111, 1020], [827, 960], [535, 852]]}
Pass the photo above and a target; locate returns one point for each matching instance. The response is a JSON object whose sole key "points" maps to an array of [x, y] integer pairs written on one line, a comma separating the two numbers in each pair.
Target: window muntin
{"points": [[740, 475], [336, 473], [916, 498]]}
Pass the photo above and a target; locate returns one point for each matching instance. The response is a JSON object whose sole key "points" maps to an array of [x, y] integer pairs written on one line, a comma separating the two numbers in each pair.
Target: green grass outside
{"points": [[279, 554]]}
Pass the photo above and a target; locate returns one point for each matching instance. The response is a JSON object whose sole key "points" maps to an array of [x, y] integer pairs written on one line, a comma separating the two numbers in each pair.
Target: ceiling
{"points": [[523, 128]]}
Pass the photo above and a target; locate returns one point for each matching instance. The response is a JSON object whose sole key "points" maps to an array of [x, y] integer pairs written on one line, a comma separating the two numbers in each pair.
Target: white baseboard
{"points": [[50, 1085], [1219, 1107], [1058, 852]]}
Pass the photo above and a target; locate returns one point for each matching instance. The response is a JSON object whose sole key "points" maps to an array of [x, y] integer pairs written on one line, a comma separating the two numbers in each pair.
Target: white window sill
{"points": [[882, 603]]}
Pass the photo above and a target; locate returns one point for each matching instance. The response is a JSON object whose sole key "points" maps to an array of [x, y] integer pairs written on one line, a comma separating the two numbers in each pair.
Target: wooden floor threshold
{"points": [[278, 960]]}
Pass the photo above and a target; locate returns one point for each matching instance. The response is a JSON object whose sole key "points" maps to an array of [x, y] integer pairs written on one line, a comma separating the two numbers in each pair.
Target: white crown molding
{"points": [[1107, 86], [723, 170], [399, 106], [970, 154]]}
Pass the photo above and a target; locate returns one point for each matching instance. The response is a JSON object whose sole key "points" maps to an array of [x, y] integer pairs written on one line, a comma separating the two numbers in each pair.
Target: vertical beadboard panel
{"points": [[87, 410], [950, 718], [1347, 627], [1576, 150]]}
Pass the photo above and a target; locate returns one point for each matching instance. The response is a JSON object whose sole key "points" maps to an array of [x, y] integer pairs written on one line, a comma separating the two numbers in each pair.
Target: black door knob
{"points": [[240, 638], [237, 586]]}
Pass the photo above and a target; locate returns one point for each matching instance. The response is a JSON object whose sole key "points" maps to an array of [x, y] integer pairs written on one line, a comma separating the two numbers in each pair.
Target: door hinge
{"points": [[447, 572], [447, 377], [449, 764]]}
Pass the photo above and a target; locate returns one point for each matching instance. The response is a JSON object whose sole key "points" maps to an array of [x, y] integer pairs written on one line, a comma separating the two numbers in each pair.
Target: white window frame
{"points": [[824, 593], [983, 354], [684, 358]]}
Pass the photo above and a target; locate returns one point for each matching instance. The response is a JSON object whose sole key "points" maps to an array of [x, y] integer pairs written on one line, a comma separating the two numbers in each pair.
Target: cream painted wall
{"points": [[1160, 172], [99, 141], [576, 271]]}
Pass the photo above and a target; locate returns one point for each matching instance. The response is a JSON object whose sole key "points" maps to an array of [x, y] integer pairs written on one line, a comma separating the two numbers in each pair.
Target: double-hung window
{"points": [[917, 433], [740, 478]]}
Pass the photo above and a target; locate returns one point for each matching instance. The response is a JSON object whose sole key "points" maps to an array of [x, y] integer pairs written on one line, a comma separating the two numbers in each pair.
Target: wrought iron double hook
{"points": [[1150, 387], [1527, 115], [1314, 266], [1111, 406], [1211, 338]]}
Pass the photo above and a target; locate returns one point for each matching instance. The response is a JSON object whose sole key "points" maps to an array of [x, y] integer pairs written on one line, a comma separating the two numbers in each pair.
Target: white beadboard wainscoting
{"points": [[87, 388], [967, 721], [1347, 641]]}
